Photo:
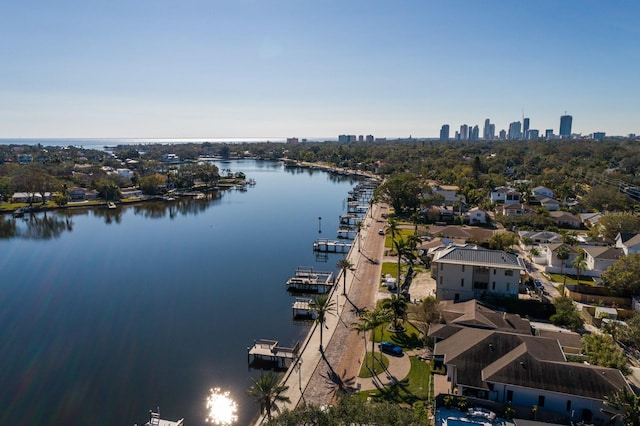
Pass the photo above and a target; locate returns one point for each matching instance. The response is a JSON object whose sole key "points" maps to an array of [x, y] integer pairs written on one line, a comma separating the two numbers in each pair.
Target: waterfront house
{"points": [[468, 272], [130, 193], [523, 371], [77, 194], [26, 197]]}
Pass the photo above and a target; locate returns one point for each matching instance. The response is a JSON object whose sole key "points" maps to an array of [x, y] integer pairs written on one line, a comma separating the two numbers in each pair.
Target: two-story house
{"points": [[468, 272]]}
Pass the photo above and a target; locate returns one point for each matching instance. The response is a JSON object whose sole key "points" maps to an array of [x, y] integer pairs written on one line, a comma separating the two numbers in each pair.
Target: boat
{"points": [[111, 205], [155, 420]]}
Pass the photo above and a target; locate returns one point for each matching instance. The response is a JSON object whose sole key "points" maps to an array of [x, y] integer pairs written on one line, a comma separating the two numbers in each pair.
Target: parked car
{"points": [[538, 283], [380, 231], [390, 348]]}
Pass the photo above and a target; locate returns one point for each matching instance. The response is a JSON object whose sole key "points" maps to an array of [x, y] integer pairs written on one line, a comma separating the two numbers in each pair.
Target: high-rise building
{"points": [[525, 126], [360, 138], [548, 134], [599, 136], [369, 138], [486, 129], [532, 134], [444, 132], [503, 134], [565, 126], [464, 132], [474, 134], [515, 131]]}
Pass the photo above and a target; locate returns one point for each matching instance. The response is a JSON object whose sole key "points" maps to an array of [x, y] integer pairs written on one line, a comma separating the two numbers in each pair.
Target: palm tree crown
{"points": [[323, 306], [267, 390]]}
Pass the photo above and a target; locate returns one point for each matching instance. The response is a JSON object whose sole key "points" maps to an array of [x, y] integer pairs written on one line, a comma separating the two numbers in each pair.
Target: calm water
{"points": [[107, 314]]}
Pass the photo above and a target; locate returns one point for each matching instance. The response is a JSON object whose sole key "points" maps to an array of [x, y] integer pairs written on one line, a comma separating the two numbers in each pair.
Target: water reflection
{"points": [[222, 410], [35, 227]]}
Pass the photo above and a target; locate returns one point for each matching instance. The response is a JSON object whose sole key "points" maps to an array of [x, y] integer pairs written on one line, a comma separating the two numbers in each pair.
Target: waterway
{"points": [[106, 314]]}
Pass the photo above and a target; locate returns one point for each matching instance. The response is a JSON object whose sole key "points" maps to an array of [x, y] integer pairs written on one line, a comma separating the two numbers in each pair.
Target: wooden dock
{"points": [[308, 280], [350, 219], [331, 246], [347, 233], [303, 309], [268, 354]]}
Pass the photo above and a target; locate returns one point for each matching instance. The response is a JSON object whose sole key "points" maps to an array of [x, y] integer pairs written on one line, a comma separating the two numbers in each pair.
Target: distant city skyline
{"points": [[285, 68]]}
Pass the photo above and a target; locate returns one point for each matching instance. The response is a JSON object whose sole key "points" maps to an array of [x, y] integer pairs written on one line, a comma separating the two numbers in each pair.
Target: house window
{"points": [[462, 268], [508, 286], [495, 271], [509, 396], [441, 280], [462, 282], [480, 285], [568, 405], [541, 401], [457, 296], [508, 272], [493, 286]]}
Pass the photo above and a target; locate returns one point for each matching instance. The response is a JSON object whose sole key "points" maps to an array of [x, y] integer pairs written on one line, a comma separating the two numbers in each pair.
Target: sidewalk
{"points": [[365, 277], [397, 370]]}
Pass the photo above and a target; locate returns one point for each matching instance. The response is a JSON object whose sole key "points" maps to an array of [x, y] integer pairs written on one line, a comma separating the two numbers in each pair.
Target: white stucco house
{"points": [[476, 216], [629, 243], [505, 194], [468, 272]]}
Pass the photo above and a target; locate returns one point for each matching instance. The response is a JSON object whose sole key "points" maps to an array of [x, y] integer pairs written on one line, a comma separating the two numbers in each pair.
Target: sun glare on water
{"points": [[221, 408]]}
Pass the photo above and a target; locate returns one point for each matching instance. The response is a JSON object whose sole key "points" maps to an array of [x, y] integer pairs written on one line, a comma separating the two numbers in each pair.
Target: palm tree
{"points": [[323, 306], [267, 390], [397, 304], [362, 326], [562, 253], [628, 404], [345, 265], [370, 320], [405, 249], [579, 264]]}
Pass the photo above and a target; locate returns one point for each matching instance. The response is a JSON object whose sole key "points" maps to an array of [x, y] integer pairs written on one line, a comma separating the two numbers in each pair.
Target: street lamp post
{"points": [[319, 225], [299, 368]]}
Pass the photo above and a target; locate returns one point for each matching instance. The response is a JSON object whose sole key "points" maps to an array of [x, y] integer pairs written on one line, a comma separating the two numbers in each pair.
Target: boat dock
{"points": [[269, 354], [309, 280], [347, 233], [330, 246], [350, 219], [303, 309]]}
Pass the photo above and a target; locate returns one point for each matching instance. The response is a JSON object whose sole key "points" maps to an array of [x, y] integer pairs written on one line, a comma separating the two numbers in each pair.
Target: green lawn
{"points": [[408, 339], [392, 268], [381, 363], [400, 233], [571, 279], [415, 387]]}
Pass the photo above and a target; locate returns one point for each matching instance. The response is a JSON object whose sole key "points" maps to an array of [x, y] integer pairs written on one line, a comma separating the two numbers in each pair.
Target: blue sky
{"points": [[252, 68]]}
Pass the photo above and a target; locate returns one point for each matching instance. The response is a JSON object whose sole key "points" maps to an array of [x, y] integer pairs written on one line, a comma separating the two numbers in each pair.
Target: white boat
{"points": [[111, 205], [155, 420]]}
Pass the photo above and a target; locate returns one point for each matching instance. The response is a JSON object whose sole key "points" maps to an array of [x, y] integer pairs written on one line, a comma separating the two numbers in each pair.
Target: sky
{"points": [[314, 69]]}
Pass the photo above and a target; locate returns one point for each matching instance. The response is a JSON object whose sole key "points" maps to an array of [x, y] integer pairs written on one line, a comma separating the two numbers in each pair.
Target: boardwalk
{"points": [[321, 377]]}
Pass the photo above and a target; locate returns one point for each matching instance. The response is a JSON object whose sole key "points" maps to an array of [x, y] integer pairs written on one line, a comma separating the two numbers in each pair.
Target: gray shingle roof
{"points": [[474, 256]]}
